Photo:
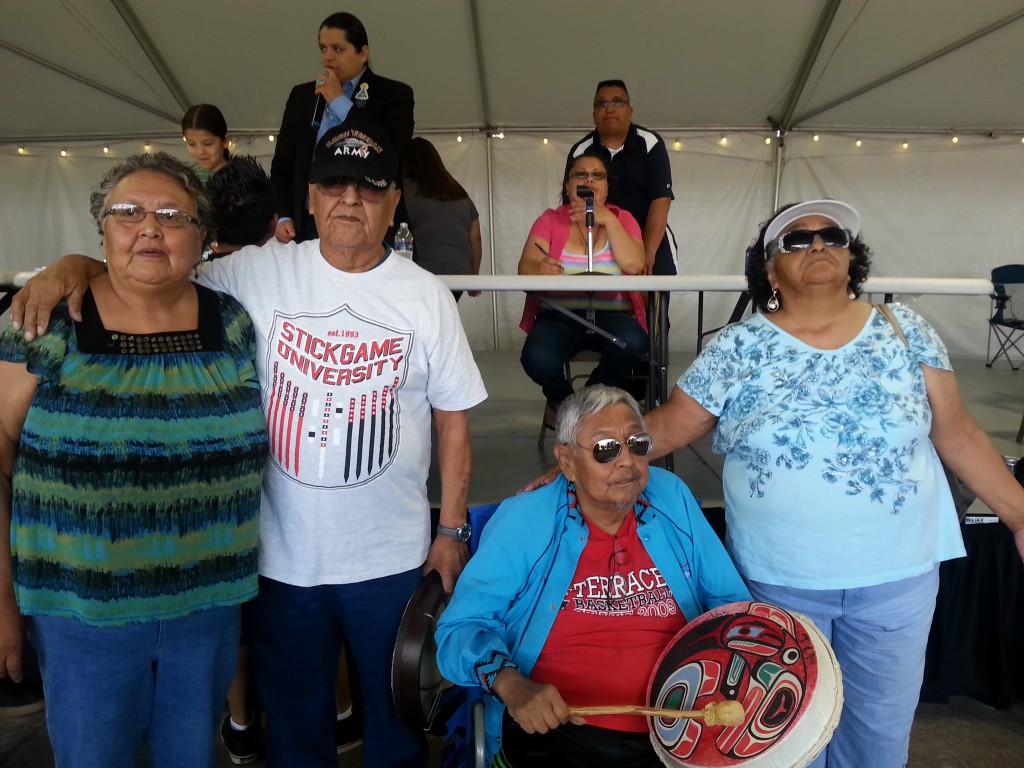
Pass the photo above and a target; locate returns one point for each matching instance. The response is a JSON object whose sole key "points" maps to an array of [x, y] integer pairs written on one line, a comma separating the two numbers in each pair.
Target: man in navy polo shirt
{"points": [[641, 177]]}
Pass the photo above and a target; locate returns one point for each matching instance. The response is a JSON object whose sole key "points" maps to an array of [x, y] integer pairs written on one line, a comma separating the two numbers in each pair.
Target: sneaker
{"points": [[18, 699], [243, 746], [348, 734]]}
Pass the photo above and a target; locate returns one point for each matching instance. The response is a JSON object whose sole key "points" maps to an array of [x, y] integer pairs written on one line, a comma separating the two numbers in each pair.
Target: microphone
{"points": [[586, 194], [315, 122]]}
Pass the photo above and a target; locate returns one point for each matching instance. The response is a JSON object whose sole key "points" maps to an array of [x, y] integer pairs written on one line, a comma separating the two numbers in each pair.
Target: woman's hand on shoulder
{"points": [[539, 482]]}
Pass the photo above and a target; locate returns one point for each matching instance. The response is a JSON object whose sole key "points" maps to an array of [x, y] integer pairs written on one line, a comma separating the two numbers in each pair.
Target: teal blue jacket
{"points": [[507, 598]]}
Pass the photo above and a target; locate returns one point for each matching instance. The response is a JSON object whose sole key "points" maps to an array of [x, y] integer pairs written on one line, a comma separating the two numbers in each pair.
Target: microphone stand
{"points": [[586, 194]]}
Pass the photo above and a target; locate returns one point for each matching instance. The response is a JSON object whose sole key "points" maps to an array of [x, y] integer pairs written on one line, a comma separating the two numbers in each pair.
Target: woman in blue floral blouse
{"points": [[830, 412]]}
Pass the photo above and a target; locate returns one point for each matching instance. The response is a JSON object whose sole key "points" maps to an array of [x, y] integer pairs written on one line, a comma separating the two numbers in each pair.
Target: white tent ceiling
{"points": [[89, 74], [130, 68]]}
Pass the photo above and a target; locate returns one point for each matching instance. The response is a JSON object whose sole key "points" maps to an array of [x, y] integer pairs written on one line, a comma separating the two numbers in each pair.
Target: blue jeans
{"points": [[108, 689], [297, 635], [879, 635], [555, 339]]}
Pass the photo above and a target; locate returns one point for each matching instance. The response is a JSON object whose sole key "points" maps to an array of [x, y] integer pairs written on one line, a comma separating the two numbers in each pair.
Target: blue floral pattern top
{"points": [[831, 480]]}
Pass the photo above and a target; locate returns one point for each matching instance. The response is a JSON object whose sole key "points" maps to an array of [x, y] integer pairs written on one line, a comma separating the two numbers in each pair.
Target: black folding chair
{"points": [[1003, 323]]}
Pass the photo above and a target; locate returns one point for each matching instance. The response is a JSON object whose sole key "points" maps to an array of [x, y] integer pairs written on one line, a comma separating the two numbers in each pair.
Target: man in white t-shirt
{"points": [[357, 349], [358, 352]]}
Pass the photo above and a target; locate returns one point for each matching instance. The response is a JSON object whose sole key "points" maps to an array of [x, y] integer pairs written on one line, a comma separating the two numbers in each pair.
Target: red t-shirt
{"points": [[617, 617]]}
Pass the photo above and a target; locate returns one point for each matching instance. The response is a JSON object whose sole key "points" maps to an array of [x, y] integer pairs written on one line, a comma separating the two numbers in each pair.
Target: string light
{"points": [[545, 139], [905, 145], [63, 153], [956, 139], [857, 143], [106, 150], [459, 138], [817, 137], [270, 138], [677, 145], [723, 141], [21, 150], [147, 147], [767, 139]]}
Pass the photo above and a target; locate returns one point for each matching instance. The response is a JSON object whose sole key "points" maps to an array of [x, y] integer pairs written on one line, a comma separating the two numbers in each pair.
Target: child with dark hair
{"points": [[205, 132]]}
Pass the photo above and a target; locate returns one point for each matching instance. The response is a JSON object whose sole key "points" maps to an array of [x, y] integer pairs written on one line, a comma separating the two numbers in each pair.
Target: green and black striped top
{"points": [[137, 480]]}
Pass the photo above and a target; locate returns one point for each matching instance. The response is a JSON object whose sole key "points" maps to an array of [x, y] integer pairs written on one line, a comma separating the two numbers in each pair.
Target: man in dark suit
{"points": [[347, 87]]}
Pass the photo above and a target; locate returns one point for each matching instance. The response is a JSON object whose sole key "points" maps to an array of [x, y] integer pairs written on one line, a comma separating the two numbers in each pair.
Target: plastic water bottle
{"points": [[403, 241]]}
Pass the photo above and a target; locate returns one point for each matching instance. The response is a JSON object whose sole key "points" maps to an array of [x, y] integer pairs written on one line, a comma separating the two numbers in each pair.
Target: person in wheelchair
{"points": [[576, 590]]}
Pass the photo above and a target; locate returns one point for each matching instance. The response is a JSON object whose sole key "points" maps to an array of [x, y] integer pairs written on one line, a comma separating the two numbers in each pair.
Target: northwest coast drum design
{"points": [[775, 663]]}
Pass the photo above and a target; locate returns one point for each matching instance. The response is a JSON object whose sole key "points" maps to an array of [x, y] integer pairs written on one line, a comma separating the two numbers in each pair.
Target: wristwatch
{"points": [[460, 534]]}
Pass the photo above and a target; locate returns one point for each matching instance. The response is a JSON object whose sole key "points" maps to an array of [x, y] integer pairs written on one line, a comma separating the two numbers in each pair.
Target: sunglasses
{"points": [[606, 450], [802, 239], [584, 175], [367, 191]]}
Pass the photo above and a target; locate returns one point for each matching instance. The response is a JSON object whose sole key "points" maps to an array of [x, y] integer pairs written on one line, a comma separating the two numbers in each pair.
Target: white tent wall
{"points": [[935, 209]]}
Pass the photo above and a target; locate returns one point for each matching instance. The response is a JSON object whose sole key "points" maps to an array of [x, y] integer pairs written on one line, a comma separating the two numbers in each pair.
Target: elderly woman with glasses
{"points": [[559, 244], [576, 590], [832, 415], [132, 445]]}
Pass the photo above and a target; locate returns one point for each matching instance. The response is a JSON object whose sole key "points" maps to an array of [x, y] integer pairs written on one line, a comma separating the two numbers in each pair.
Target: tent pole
{"points": [[145, 42], [490, 236], [910, 67], [84, 81], [779, 160]]}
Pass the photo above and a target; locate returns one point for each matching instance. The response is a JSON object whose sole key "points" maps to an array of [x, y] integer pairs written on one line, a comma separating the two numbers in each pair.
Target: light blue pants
{"points": [[108, 689], [879, 635]]}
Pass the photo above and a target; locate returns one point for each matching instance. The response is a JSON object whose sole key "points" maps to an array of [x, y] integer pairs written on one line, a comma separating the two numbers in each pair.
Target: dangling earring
{"points": [[851, 295], [773, 304]]}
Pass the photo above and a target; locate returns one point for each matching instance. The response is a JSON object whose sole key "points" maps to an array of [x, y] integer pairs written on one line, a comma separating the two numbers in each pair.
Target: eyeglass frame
{"points": [[617, 103], [630, 442], [778, 245], [588, 176], [162, 216]]}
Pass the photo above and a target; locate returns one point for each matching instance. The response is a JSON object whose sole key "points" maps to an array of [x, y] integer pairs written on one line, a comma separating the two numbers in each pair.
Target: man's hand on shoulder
{"points": [[68, 277]]}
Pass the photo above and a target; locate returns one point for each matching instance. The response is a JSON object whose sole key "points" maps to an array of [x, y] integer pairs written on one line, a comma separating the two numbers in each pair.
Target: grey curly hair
{"points": [[160, 162]]}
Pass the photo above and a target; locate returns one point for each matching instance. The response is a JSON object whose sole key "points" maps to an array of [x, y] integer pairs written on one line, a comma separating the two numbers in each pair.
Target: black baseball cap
{"points": [[354, 149]]}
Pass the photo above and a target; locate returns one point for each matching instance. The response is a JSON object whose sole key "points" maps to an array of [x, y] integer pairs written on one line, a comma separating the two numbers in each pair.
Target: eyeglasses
{"points": [[802, 239], [367, 192], [606, 450], [584, 175], [129, 213], [605, 104]]}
